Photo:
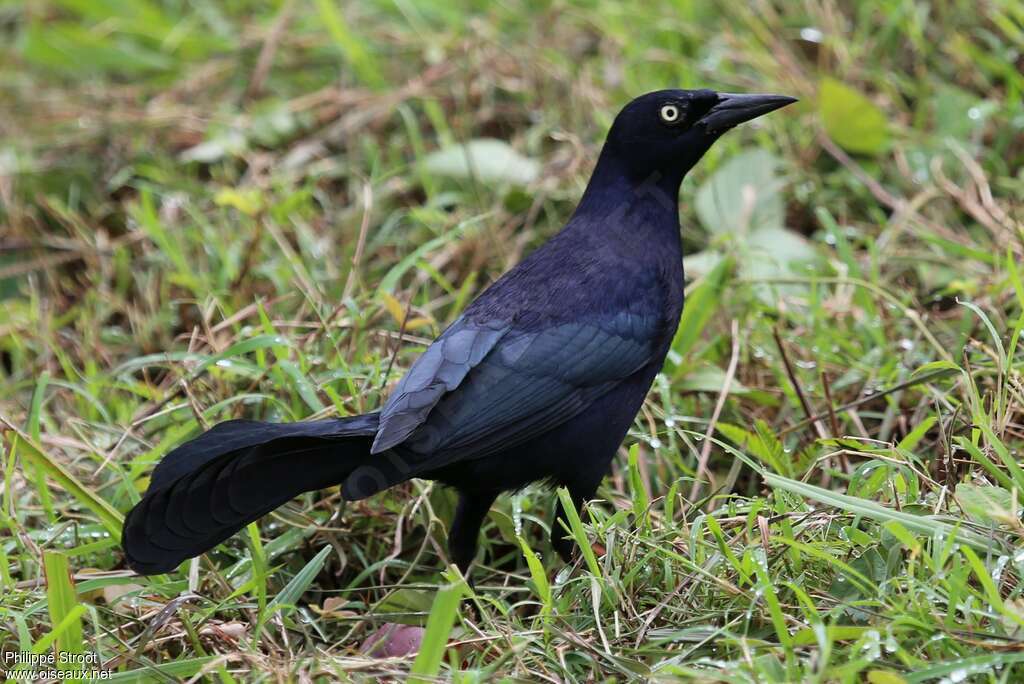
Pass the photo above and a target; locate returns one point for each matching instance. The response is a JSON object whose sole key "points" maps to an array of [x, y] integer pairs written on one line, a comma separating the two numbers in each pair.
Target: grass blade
{"points": [[108, 515], [439, 628], [62, 601]]}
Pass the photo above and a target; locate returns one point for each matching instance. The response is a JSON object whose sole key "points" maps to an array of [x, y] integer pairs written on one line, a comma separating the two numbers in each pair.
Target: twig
{"points": [[705, 451], [833, 421], [844, 463], [269, 49], [871, 397], [357, 258], [398, 344], [806, 405]]}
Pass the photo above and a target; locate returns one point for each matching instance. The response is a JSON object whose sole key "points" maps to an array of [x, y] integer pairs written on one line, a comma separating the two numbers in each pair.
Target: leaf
{"points": [[701, 305], [770, 253], [986, 503], [958, 113], [406, 605], [700, 264], [393, 640], [485, 159], [229, 143], [742, 195], [249, 201], [710, 378], [884, 677], [779, 247], [854, 122]]}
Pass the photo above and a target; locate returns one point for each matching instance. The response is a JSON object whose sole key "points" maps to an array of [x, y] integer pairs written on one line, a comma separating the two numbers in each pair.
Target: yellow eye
{"points": [[669, 113]]}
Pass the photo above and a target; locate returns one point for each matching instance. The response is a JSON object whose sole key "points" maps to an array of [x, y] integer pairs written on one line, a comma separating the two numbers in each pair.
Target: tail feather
{"points": [[209, 488]]}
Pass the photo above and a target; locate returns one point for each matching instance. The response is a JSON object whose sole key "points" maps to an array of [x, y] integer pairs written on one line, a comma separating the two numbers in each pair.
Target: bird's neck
{"points": [[617, 198]]}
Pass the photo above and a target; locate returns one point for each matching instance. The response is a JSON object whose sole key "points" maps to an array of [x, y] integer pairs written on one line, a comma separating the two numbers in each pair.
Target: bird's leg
{"points": [[465, 529], [561, 540]]}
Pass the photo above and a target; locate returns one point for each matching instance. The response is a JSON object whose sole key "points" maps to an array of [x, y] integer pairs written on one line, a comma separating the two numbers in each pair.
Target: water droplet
{"points": [[872, 644], [517, 514]]}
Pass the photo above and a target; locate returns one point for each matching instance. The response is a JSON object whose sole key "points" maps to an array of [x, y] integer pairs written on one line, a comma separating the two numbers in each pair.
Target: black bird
{"points": [[539, 379]]}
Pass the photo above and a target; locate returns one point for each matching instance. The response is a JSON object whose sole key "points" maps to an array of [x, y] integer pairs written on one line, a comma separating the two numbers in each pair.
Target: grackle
{"points": [[539, 379]]}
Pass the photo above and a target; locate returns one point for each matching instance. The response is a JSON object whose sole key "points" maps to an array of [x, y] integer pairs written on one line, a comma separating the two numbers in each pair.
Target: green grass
{"points": [[215, 210]]}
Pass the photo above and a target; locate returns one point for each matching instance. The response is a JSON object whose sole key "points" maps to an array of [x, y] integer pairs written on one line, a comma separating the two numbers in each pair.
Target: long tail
{"points": [[206, 490]]}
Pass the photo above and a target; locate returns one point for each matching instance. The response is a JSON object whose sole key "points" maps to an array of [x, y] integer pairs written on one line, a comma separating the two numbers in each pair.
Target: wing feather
{"points": [[481, 388]]}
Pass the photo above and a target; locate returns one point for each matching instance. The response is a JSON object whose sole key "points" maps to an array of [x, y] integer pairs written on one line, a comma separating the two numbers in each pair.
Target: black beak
{"points": [[733, 109]]}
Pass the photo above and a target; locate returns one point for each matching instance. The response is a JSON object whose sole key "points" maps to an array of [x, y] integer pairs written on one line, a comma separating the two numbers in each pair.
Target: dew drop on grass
{"points": [[654, 442], [872, 645], [997, 571], [517, 514]]}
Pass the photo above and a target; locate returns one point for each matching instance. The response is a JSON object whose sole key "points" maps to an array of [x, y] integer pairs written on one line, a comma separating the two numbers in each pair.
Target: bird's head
{"points": [[665, 132]]}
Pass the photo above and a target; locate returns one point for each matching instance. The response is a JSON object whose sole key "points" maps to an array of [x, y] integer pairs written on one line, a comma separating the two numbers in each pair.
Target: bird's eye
{"points": [[669, 113]]}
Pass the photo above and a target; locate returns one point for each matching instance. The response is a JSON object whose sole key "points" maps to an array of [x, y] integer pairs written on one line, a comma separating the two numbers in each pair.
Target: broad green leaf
{"points": [[701, 305], [709, 378], [249, 201], [742, 195], [769, 253], [227, 143], [986, 503], [485, 159], [851, 119], [405, 605], [958, 113], [700, 264], [778, 248]]}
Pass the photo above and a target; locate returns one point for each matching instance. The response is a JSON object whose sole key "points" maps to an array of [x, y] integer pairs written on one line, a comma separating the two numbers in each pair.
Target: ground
{"points": [[266, 209]]}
